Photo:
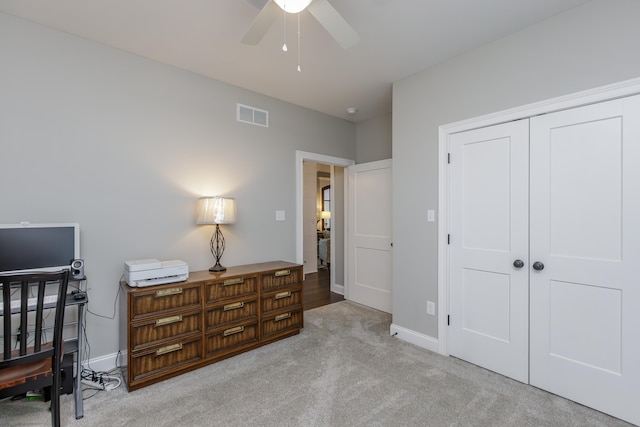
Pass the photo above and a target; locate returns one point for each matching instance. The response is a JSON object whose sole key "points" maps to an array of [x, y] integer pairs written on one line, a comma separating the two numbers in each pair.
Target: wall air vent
{"points": [[254, 116]]}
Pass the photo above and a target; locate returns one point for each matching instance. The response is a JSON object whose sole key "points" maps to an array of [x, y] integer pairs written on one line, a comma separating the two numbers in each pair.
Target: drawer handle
{"points": [[168, 292], [283, 295], [168, 349], [233, 306], [282, 317], [168, 320], [282, 273], [233, 281], [235, 330]]}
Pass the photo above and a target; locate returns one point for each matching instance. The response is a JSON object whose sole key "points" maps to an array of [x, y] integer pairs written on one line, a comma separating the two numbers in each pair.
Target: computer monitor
{"points": [[38, 247]]}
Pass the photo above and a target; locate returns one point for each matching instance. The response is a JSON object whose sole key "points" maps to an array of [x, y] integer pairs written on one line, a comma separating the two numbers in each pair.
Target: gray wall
{"points": [[373, 139], [124, 146], [593, 45]]}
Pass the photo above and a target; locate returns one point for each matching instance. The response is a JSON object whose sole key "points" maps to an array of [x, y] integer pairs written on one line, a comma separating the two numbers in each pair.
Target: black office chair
{"points": [[29, 368]]}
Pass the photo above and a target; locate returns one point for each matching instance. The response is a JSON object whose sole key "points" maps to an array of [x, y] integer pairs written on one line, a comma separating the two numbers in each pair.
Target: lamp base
{"points": [[217, 268], [217, 249]]}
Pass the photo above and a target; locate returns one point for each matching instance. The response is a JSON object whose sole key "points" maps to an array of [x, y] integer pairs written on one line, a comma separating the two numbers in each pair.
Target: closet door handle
{"points": [[518, 263], [538, 266]]}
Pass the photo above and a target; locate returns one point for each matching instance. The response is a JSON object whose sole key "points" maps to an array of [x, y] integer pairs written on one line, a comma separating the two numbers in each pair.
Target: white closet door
{"points": [[489, 296], [585, 230]]}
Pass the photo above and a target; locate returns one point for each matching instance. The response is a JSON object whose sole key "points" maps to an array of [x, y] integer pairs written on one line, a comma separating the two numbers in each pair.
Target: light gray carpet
{"points": [[342, 370]]}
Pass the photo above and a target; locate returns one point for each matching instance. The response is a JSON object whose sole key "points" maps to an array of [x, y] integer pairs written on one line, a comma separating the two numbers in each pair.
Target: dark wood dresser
{"points": [[167, 330]]}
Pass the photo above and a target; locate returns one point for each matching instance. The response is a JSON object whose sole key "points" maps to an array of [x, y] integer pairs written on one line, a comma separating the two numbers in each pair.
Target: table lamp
{"points": [[216, 210]]}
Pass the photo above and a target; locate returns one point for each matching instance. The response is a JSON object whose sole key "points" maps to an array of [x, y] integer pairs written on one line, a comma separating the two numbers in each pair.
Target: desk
{"points": [[74, 345]]}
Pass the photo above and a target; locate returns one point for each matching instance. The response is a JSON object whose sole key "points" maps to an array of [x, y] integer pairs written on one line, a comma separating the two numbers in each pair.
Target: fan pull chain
{"points": [[284, 29], [299, 69]]}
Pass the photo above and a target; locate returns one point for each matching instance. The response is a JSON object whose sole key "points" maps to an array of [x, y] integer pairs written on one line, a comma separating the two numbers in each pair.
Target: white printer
{"points": [[149, 272]]}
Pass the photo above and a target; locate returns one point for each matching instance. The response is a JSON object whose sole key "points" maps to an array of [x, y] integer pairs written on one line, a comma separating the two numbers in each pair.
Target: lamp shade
{"points": [[325, 214], [293, 6], [216, 210]]}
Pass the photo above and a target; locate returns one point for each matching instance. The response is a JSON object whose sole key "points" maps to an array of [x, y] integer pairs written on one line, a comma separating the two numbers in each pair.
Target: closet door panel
{"points": [[585, 189], [489, 231], [585, 230]]}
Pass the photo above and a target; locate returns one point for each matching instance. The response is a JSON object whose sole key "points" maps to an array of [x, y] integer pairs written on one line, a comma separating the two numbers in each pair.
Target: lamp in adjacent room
{"points": [[216, 210], [324, 215]]}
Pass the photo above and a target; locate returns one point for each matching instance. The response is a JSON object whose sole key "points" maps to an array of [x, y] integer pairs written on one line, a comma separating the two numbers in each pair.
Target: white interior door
{"points": [[369, 235], [585, 230], [489, 190]]}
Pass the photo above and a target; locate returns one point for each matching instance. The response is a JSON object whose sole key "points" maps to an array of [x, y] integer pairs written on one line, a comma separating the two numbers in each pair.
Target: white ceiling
{"points": [[397, 38]]}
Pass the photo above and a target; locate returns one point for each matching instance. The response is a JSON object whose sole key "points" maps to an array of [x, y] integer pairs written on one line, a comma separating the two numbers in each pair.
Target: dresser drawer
{"points": [[283, 322], [232, 311], [165, 358], [230, 288], [230, 338], [156, 301], [280, 278], [152, 332], [285, 298]]}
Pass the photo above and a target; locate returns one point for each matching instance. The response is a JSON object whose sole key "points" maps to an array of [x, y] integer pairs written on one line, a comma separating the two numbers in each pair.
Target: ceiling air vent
{"points": [[252, 115]]}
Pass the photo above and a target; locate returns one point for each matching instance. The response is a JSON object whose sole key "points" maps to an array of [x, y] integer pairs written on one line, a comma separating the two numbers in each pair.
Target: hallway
{"points": [[317, 290]]}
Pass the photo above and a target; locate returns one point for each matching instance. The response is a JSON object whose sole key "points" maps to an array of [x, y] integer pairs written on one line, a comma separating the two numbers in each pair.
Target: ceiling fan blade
{"points": [[262, 23], [335, 24]]}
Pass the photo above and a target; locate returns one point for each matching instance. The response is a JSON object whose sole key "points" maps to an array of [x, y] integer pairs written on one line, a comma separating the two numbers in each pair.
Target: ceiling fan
{"points": [[322, 10]]}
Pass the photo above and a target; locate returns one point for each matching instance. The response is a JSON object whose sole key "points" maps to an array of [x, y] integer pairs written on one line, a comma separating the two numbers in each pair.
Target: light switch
{"points": [[279, 215], [431, 215], [431, 308]]}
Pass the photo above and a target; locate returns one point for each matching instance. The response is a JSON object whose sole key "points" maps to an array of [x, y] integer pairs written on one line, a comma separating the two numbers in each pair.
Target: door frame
{"points": [[591, 96], [301, 157]]}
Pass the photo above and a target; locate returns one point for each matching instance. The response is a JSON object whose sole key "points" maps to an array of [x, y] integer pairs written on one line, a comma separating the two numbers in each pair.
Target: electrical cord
{"points": [[98, 380], [89, 397], [87, 347], [115, 307]]}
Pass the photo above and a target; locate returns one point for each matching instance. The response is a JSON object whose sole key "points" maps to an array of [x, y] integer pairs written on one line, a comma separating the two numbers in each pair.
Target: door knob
{"points": [[518, 263], [538, 266]]}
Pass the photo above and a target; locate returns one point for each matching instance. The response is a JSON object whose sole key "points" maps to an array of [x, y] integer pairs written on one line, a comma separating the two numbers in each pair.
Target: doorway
{"points": [[307, 226], [317, 210]]}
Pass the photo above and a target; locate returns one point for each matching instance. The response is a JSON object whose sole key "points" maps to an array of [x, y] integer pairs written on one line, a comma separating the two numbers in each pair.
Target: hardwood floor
{"points": [[317, 290]]}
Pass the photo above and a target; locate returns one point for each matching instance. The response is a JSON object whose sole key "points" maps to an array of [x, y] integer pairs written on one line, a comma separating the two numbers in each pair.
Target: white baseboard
{"points": [[104, 363], [338, 289], [415, 338]]}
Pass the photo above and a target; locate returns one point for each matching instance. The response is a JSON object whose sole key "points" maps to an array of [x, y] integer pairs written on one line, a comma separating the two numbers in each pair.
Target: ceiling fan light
{"points": [[293, 6]]}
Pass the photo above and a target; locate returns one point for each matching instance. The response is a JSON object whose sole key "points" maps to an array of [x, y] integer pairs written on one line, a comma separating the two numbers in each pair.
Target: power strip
{"points": [[101, 386], [94, 384]]}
